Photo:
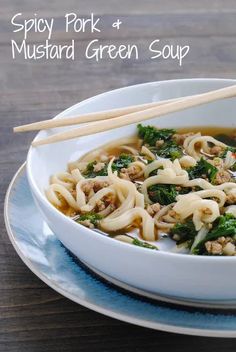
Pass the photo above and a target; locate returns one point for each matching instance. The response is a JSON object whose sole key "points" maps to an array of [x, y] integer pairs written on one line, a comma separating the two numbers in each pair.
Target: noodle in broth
{"points": [[162, 181]]}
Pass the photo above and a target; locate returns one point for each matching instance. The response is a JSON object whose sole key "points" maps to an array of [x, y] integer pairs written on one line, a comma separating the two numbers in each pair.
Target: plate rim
{"points": [[107, 312]]}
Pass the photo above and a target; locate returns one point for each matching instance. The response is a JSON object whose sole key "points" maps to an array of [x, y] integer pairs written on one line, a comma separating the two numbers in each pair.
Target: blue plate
{"points": [[44, 254]]}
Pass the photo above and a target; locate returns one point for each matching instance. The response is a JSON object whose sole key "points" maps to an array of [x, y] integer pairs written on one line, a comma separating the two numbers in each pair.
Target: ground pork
{"points": [[130, 173], [93, 186], [102, 204], [223, 245], [222, 176], [216, 150]]}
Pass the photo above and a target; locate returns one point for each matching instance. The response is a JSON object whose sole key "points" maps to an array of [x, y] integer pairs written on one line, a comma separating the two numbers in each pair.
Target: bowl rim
{"points": [[90, 232]]}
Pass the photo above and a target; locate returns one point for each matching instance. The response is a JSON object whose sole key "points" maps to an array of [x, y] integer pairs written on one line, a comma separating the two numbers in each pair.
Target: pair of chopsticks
{"points": [[110, 119]]}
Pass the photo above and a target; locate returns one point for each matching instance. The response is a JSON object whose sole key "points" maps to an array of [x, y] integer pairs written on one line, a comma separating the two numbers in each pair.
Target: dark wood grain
{"points": [[32, 316]]}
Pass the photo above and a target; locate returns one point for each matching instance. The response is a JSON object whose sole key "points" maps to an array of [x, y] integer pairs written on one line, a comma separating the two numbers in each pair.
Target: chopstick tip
{"points": [[16, 129]]}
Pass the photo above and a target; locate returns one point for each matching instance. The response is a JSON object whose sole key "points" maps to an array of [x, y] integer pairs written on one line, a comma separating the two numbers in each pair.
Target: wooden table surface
{"points": [[32, 316]]}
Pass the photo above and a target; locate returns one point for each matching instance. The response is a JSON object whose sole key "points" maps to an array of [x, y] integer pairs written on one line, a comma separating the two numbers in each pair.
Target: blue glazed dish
{"points": [[44, 254]]}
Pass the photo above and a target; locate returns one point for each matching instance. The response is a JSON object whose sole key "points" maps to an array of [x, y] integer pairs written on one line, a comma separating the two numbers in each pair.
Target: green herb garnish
{"points": [[136, 242], [123, 161], [170, 150], [224, 225], [165, 194], [151, 135], [162, 194], [92, 217], [90, 173], [203, 169], [185, 232]]}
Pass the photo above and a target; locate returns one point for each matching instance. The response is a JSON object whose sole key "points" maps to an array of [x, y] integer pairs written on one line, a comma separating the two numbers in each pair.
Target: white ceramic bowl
{"points": [[180, 275]]}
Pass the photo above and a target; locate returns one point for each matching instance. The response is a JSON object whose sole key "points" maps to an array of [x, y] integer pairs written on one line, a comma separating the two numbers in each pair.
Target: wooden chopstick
{"points": [[156, 111], [94, 116]]}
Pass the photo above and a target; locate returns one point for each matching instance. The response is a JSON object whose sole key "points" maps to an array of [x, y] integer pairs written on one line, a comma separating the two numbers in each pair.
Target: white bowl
{"points": [[166, 273]]}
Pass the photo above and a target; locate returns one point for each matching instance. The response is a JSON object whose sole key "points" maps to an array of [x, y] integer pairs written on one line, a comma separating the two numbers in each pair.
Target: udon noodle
{"points": [[166, 182]]}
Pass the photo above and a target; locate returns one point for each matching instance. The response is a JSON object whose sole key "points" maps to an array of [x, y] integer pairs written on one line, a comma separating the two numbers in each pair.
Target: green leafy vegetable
{"points": [[92, 217], [151, 135], [90, 173], [185, 190], [123, 161], [224, 225], [136, 242], [162, 194], [203, 169], [165, 194], [184, 232], [169, 149]]}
